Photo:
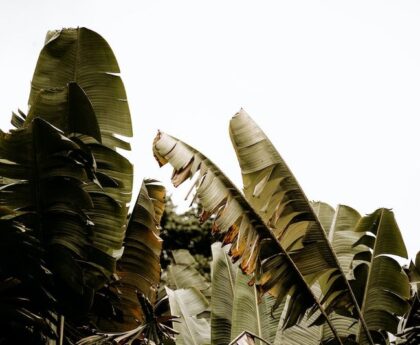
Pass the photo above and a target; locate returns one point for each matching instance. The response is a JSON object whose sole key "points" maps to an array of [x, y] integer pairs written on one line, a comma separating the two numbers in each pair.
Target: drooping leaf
{"points": [[254, 245]]}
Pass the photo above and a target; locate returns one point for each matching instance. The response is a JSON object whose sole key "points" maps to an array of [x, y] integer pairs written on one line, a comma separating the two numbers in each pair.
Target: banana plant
{"points": [[84, 266], [254, 244], [275, 210]]}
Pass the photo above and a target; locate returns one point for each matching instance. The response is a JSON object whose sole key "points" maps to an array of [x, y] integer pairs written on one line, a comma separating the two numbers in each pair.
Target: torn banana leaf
{"points": [[253, 244]]}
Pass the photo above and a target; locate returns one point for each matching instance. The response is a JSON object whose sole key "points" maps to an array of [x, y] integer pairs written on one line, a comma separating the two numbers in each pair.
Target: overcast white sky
{"points": [[334, 84]]}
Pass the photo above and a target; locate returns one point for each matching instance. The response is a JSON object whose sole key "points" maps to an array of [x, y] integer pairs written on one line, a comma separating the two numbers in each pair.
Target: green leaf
{"points": [[273, 191], [82, 56], [251, 312], [69, 108], [188, 304], [385, 286], [139, 267], [182, 274], [54, 170], [223, 275]]}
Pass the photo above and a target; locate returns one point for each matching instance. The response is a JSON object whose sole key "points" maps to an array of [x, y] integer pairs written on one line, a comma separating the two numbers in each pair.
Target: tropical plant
{"points": [[280, 241], [75, 267]]}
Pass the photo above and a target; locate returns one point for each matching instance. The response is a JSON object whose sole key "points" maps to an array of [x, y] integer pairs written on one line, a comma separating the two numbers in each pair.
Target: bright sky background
{"points": [[335, 85]]}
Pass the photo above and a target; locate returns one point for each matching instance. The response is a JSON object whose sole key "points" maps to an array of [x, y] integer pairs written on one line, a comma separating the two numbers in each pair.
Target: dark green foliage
{"points": [[185, 231]]}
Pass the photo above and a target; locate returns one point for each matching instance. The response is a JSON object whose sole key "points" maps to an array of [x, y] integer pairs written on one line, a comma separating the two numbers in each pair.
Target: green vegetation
{"points": [[76, 268]]}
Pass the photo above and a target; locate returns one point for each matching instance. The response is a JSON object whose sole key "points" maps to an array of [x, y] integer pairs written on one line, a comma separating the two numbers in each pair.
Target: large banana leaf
{"points": [[82, 56], [47, 196], [188, 304], [273, 191], [76, 87], [381, 284], [139, 267], [253, 243], [70, 109]]}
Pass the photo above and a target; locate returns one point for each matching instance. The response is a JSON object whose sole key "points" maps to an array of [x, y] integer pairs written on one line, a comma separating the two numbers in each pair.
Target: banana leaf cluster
{"points": [[74, 263], [331, 272]]}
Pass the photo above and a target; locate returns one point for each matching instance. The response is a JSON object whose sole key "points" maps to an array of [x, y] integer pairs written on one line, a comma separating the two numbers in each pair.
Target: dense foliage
{"points": [[185, 231], [76, 268]]}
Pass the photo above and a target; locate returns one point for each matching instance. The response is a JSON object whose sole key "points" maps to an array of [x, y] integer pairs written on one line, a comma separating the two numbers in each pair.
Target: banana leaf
{"points": [[273, 191], [254, 245], [139, 268], [82, 56], [70, 109], [380, 283]]}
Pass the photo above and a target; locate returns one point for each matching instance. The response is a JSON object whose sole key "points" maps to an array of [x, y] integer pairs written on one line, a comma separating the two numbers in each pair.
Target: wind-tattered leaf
{"points": [[254, 246], [223, 276], [273, 191], [188, 304], [382, 283], [82, 56]]}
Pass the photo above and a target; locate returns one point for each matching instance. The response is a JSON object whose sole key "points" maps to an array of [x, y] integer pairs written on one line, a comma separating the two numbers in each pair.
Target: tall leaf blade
{"points": [[274, 193], [251, 312], [69, 108], [380, 280], [139, 267], [223, 275], [81, 55]]}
